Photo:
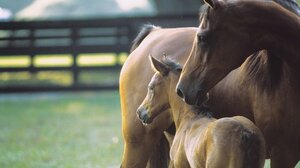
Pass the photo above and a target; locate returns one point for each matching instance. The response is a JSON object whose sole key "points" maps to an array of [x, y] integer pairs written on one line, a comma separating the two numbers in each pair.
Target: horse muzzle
{"points": [[142, 114], [191, 97]]}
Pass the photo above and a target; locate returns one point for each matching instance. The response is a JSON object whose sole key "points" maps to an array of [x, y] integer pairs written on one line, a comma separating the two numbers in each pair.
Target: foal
{"points": [[200, 140]]}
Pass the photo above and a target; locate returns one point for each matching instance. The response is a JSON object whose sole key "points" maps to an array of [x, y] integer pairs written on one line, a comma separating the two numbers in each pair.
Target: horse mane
{"points": [[144, 32], [202, 111], [263, 69], [290, 5]]}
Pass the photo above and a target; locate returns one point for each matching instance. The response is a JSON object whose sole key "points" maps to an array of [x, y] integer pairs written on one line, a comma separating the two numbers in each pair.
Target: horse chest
{"points": [[277, 115]]}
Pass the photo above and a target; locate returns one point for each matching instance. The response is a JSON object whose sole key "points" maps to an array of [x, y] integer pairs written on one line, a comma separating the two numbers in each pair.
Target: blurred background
{"points": [[59, 68]]}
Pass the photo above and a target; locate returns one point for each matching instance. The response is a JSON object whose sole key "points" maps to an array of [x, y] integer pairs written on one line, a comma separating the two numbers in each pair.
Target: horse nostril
{"points": [[179, 92]]}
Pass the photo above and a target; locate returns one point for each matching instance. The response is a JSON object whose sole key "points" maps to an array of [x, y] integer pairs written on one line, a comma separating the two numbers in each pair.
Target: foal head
{"points": [[157, 98]]}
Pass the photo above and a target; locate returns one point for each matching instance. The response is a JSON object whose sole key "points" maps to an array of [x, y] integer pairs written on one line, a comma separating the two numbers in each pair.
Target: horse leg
{"points": [[137, 154], [283, 156], [132, 155], [141, 141]]}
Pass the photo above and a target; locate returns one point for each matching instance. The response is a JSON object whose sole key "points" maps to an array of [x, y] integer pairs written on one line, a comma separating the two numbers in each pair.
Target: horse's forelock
{"points": [[203, 12]]}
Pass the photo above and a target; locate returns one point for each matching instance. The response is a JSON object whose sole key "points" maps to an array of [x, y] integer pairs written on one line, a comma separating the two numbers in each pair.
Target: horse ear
{"points": [[215, 4], [159, 66]]}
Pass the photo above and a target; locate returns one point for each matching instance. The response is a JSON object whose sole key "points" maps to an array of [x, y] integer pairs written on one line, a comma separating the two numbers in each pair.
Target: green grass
{"points": [[66, 130], [57, 78], [60, 130]]}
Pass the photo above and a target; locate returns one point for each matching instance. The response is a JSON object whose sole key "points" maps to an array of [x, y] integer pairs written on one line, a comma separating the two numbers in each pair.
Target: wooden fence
{"points": [[75, 37]]}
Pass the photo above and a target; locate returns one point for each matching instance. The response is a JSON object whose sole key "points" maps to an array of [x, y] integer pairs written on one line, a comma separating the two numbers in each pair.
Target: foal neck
{"points": [[184, 113]]}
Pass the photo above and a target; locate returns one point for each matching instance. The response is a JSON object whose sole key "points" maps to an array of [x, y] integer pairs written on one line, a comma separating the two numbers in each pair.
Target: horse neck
{"points": [[273, 28]]}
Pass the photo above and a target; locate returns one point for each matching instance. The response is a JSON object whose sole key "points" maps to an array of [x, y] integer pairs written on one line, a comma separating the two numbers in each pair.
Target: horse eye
{"points": [[179, 70], [150, 88], [202, 39]]}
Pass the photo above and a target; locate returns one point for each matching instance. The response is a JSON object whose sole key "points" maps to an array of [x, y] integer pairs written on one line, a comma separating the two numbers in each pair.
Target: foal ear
{"points": [[159, 66], [215, 4]]}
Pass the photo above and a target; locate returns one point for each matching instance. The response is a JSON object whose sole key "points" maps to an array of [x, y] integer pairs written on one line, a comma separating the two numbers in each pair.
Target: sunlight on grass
{"points": [[64, 60], [122, 58], [53, 60], [11, 76], [60, 78], [46, 78], [15, 61], [55, 77], [97, 59]]}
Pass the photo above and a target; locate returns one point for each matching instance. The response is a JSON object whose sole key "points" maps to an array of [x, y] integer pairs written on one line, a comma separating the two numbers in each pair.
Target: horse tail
{"points": [[144, 32], [160, 156], [253, 147]]}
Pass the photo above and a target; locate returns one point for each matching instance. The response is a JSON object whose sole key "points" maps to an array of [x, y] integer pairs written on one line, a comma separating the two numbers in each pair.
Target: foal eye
{"points": [[150, 88]]}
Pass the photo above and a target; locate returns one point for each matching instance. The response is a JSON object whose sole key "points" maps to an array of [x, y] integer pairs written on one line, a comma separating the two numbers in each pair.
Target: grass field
{"points": [[60, 130]]}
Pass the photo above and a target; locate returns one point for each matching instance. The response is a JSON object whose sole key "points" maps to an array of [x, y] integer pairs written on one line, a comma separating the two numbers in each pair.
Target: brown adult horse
{"points": [[230, 31], [200, 140], [141, 141]]}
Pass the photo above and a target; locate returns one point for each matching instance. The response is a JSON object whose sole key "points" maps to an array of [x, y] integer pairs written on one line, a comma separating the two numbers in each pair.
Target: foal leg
{"points": [[283, 156]]}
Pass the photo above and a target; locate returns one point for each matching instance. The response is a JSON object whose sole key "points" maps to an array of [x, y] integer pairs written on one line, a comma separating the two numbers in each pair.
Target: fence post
{"points": [[32, 54], [75, 68]]}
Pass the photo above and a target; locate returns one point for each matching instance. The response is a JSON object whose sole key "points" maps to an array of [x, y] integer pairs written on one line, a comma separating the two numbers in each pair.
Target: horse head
{"points": [[220, 45]]}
